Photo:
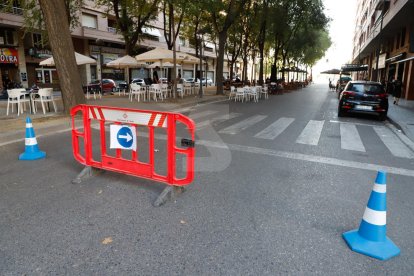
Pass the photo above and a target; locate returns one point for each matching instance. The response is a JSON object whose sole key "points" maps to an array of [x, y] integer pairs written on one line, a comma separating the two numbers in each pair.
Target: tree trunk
{"points": [[220, 62], [60, 40]]}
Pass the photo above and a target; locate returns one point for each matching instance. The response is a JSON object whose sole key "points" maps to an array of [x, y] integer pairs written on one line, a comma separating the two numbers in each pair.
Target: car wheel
{"points": [[382, 116]]}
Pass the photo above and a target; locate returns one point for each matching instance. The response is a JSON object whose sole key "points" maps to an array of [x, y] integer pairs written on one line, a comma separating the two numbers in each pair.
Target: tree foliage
{"points": [[131, 17]]}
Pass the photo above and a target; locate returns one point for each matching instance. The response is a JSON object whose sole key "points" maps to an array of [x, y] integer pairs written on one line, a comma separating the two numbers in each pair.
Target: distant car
{"points": [[341, 83], [121, 85], [138, 81], [191, 80], [108, 85], [363, 97], [163, 80], [208, 81]]}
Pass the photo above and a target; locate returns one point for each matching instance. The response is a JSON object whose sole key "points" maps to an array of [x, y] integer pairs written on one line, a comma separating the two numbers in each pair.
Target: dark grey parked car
{"points": [[363, 97]]}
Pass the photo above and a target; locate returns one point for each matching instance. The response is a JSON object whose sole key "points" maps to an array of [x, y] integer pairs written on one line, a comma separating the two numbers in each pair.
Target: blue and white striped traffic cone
{"points": [[31, 151], [370, 239]]}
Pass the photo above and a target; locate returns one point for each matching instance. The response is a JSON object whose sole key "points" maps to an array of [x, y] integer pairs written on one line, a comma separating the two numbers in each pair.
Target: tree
{"points": [[131, 17], [223, 14], [57, 26]]}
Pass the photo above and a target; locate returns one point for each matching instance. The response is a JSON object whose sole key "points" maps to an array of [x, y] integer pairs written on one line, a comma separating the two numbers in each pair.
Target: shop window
{"points": [[37, 41], [48, 76], [89, 21], [6, 37]]}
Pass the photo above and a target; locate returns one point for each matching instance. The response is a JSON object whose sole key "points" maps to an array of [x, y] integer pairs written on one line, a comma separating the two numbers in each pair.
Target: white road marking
{"points": [[391, 141], [311, 134], [350, 139], [311, 158], [198, 115], [275, 129], [355, 123], [242, 125], [219, 118], [37, 136]]}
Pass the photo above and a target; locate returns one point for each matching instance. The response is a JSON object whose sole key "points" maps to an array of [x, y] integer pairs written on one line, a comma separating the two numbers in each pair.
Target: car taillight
{"points": [[348, 93], [384, 95]]}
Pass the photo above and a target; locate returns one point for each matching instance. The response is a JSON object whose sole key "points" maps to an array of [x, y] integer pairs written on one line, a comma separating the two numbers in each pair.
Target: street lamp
{"points": [[200, 36], [379, 39], [99, 43]]}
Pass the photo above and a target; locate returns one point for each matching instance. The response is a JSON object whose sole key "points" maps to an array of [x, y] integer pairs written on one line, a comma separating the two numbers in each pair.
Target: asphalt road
{"points": [[277, 183]]}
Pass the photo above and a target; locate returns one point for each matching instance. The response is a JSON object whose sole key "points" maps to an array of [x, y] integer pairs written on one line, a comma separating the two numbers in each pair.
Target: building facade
{"points": [[384, 40], [20, 53]]}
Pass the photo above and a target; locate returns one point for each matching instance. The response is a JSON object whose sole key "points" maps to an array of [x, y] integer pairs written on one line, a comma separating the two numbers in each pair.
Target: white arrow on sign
{"points": [[127, 137]]}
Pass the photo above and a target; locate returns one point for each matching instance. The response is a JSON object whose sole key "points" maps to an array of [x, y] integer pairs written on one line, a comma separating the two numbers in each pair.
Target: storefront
{"points": [[9, 70]]}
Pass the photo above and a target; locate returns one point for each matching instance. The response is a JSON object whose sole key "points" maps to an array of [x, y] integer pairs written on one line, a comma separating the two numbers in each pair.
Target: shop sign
{"points": [[8, 55]]}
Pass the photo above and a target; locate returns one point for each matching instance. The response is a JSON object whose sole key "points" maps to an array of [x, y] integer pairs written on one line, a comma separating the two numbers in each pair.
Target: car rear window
{"points": [[366, 88]]}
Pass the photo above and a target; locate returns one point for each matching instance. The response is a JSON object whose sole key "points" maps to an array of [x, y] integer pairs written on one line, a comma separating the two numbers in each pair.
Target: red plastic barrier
{"points": [[133, 117]]}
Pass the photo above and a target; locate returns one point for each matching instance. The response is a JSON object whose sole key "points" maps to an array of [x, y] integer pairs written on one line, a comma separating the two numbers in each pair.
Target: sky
{"points": [[341, 31]]}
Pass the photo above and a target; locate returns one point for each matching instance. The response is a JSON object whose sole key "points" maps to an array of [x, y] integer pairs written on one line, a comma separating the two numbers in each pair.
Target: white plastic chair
{"points": [[252, 93], [155, 90], [15, 96], [180, 90], [45, 96], [187, 89], [264, 91], [165, 90], [136, 90], [239, 94], [232, 92]]}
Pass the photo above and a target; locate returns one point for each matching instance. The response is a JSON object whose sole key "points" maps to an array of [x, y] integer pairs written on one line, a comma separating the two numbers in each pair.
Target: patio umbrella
{"points": [[332, 72], [125, 62], [164, 64], [80, 60], [161, 55]]}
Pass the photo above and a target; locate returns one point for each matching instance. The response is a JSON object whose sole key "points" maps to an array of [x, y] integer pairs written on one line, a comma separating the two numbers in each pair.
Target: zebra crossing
{"points": [[310, 135]]}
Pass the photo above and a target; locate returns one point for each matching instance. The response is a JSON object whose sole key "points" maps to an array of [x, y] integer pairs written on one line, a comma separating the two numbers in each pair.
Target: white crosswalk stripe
{"points": [[275, 129], [201, 114], [220, 118], [311, 134], [393, 143], [242, 125], [350, 139]]}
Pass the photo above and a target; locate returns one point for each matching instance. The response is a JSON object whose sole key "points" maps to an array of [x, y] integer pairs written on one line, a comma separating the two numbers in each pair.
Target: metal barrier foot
{"points": [[170, 192], [86, 173]]}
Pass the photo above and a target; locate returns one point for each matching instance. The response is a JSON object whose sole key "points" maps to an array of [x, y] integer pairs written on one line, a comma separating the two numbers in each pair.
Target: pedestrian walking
{"points": [[390, 87], [155, 78], [397, 91]]}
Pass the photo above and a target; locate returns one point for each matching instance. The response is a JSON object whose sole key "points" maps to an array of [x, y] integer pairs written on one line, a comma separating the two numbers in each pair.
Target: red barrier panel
{"points": [[126, 118]]}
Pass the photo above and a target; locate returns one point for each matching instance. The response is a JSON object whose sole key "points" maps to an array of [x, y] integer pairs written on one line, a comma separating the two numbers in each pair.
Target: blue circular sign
{"points": [[125, 137]]}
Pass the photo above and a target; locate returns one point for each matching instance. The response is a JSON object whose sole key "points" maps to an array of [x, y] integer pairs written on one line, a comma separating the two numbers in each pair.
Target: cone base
{"points": [[32, 155], [379, 250]]}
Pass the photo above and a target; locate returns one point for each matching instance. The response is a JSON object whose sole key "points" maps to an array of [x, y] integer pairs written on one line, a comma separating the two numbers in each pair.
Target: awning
{"points": [[151, 31], [403, 60], [395, 58], [354, 67]]}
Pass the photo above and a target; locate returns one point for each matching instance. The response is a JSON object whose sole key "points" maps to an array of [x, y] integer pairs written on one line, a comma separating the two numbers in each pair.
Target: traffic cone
{"points": [[370, 239], [31, 151]]}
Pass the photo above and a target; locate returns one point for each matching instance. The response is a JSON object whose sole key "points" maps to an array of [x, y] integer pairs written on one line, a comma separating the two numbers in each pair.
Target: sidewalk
{"points": [[402, 115], [12, 127]]}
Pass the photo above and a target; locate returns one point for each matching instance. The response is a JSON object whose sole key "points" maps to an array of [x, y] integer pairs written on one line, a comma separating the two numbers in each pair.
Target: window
{"points": [[89, 21], [6, 37], [46, 75], [182, 41], [37, 41]]}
